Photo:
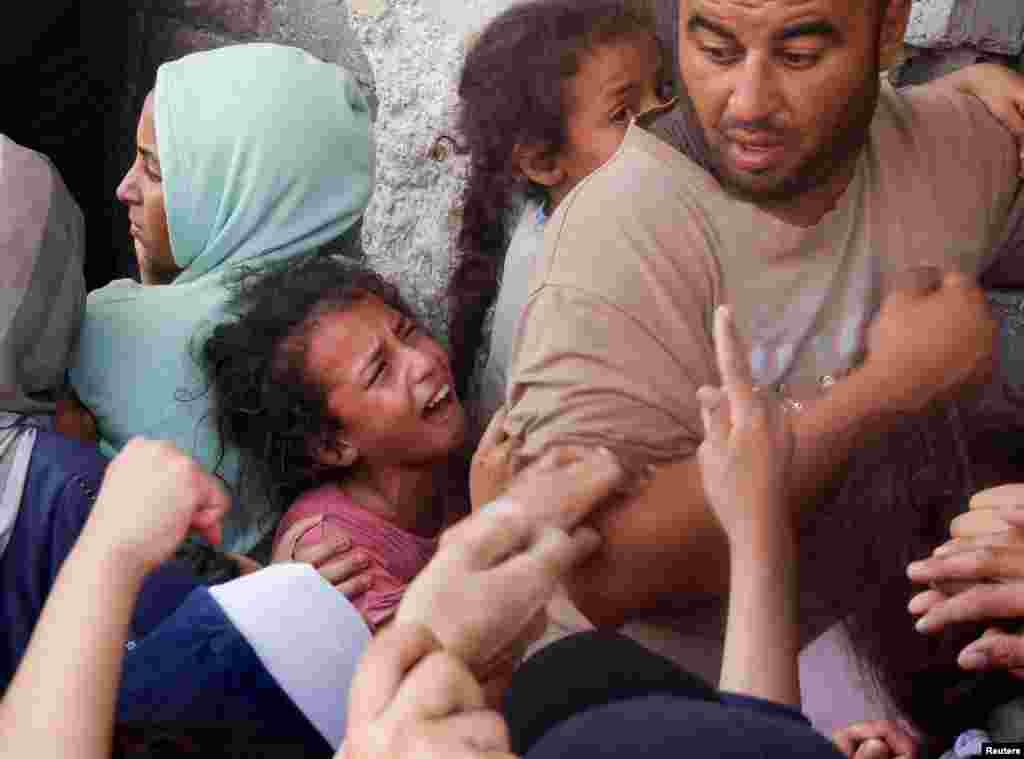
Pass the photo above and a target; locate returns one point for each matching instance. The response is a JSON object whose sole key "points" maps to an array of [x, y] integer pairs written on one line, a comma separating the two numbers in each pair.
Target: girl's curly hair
{"points": [[265, 403], [512, 92]]}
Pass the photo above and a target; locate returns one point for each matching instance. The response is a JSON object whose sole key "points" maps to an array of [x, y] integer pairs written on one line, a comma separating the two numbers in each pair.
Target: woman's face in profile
{"points": [[388, 382], [142, 192]]}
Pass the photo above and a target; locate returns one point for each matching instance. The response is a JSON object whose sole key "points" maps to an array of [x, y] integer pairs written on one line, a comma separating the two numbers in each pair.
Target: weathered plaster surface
{"points": [[416, 48], [993, 26]]}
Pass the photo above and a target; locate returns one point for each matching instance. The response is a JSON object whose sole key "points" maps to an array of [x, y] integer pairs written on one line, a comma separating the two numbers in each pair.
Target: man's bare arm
{"points": [[663, 546]]}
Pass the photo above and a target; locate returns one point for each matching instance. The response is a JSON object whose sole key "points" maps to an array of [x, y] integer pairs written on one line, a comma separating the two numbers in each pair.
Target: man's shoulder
{"points": [[648, 201], [938, 152], [642, 164], [937, 122]]}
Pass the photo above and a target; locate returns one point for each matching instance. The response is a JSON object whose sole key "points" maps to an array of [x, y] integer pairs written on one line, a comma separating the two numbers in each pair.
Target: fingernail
{"points": [[916, 569], [916, 605], [973, 660], [924, 624], [942, 550], [605, 451]]}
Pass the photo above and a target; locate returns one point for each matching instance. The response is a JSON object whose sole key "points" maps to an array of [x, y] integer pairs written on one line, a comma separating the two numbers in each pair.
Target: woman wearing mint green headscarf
{"points": [[246, 154]]}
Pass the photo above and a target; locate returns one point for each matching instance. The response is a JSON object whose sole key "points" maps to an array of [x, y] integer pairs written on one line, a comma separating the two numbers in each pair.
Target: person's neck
{"points": [[404, 496], [809, 208]]}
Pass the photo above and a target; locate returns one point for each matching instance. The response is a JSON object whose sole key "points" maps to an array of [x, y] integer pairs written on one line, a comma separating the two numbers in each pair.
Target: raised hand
{"points": [[748, 443], [744, 461], [152, 494], [484, 593], [978, 576], [410, 699]]}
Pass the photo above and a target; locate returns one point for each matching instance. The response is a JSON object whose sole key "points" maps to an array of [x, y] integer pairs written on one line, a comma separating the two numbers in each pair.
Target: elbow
{"points": [[600, 608], [610, 594]]}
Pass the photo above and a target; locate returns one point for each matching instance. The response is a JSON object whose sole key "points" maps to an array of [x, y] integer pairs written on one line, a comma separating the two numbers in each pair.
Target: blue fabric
{"points": [[185, 660], [197, 667], [743, 701], [63, 480]]}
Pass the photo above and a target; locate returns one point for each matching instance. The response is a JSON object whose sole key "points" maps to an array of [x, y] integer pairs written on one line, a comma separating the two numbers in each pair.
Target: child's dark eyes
{"points": [[799, 60], [405, 331], [721, 56]]}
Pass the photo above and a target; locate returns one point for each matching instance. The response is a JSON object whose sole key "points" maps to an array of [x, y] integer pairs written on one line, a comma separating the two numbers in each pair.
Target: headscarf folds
{"points": [[42, 295], [265, 153]]}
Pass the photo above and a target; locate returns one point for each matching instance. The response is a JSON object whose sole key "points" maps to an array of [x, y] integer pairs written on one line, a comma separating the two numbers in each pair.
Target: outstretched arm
{"points": [[61, 700], [744, 459], [932, 336]]}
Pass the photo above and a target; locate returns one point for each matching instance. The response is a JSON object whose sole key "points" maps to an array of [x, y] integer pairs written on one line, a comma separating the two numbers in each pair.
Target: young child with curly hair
{"points": [[345, 406], [547, 92]]}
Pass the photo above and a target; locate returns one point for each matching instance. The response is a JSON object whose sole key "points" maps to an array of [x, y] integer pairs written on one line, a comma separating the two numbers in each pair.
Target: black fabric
{"points": [[584, 671], [57, 98], [663, 725]]}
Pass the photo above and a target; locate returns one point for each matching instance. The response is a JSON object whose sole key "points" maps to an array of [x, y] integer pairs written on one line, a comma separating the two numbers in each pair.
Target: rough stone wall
{"points": [[406, 230], [945, 35], [992, 26], [416, 48]]}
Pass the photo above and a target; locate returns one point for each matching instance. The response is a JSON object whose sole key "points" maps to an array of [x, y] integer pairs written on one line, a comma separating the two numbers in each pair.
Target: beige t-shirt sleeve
{"points": [[959, 168], [615, 340]]}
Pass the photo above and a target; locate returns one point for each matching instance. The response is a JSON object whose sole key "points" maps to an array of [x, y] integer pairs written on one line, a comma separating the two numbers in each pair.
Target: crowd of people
{"points": [[720, 376]]}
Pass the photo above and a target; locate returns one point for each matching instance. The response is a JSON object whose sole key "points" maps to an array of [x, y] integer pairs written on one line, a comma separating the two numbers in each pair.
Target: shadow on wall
{"points": [[79, 72]]}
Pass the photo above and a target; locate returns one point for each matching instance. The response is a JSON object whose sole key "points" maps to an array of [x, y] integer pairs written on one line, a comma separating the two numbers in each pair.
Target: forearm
{"points": [[829, 429], [62, 698], [762, 637], [664, 547]]}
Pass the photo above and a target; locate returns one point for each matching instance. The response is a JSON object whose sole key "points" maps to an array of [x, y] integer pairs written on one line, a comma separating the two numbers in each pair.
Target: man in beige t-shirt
{"points": [[825, 190]]}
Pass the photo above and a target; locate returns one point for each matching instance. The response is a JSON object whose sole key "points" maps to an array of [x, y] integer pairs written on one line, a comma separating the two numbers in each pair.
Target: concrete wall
{"points": [[991, 26], [416, 49]]}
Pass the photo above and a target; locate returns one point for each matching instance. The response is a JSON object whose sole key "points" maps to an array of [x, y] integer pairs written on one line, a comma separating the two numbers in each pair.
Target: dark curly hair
{"points": [[512, 92], [265, 404], [901, 490]]}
